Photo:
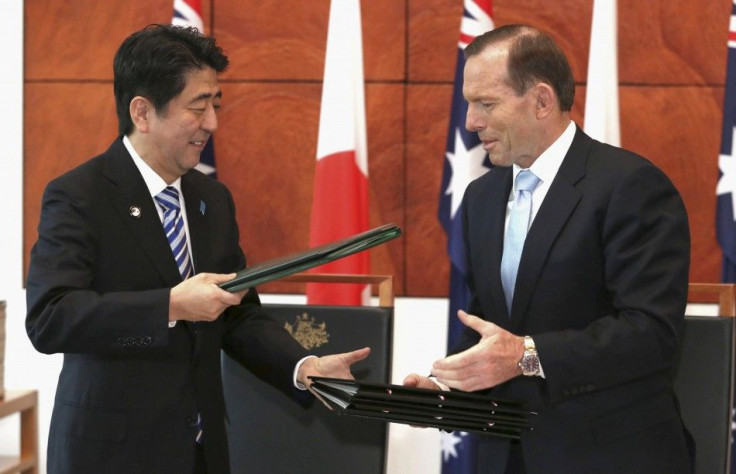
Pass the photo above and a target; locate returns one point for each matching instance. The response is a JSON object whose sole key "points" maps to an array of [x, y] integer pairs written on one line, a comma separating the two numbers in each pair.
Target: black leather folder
{"points": [[452, 410], [290, 264]]}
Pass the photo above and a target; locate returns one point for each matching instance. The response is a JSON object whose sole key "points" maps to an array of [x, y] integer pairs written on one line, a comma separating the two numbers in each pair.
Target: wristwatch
{"points": [[529, 363]]}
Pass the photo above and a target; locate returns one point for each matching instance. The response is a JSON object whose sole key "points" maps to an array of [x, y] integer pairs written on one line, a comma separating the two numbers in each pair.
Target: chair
{"points": [[269, 432], [704, 377]]}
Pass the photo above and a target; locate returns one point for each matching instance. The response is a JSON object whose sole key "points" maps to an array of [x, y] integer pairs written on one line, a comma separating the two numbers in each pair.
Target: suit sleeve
{"points": [[65, 312], [645, 240], [251, 336]]}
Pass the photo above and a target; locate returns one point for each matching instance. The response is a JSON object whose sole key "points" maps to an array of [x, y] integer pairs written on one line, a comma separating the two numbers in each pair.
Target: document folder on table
{"points": [[290, 264], [452, 410]]}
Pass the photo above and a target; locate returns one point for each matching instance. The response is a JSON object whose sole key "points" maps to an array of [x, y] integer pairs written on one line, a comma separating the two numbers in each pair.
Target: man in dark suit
{"points": [[109, 286], [583, 323]]}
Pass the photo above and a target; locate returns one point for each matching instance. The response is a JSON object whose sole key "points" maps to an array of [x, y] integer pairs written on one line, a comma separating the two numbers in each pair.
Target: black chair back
{"points": [[704, 382]]}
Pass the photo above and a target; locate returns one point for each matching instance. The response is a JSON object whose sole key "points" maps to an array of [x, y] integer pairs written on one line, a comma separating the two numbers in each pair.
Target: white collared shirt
{"points": [[155, 185], [545, 168]]}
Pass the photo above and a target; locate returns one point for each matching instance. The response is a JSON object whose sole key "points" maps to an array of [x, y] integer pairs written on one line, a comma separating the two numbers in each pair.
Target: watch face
{"points": [[529, 364]]}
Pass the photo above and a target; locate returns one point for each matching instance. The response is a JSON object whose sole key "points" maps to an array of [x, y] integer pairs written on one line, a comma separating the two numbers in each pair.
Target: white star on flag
{"points": [[727, 183], [467, 165], [449, 443]]}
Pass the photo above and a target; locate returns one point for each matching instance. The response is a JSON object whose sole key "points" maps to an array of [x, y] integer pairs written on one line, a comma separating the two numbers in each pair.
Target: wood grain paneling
{"points": [[286, 40], [427, 119], [671, 68], [66, 124], [77, 40]]}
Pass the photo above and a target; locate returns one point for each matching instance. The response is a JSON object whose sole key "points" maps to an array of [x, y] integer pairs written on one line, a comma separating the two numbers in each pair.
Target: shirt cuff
{"points": [[442, 386], [298, 384]]}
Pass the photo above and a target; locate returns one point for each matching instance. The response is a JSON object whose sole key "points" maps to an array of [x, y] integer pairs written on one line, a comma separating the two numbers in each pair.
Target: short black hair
{"points": [[533, 56], [153, 63]]}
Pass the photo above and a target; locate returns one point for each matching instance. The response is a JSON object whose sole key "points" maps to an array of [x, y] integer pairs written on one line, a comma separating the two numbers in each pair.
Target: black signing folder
{"points": [[290, 264], [461, 411]]}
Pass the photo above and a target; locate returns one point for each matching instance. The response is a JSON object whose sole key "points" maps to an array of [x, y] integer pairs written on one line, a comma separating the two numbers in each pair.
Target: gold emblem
{"points": [[308, 332]]}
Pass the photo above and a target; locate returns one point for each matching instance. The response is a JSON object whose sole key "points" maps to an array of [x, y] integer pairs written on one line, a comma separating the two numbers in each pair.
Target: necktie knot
{"points": [[168, 199], [526, 181]]}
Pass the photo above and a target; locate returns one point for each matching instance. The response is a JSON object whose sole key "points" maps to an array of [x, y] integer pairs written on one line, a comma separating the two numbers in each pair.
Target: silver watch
{"points": [[529, 363]]}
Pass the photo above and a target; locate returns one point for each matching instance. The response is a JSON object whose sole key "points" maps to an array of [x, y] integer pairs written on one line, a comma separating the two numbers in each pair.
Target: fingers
{"points": [[200, 298], [351, 358], [418, 381], [215, 278]]}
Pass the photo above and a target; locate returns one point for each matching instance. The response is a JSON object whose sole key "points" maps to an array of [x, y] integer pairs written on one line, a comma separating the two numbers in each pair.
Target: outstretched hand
{"points": [[333, 365], [492, 361]]}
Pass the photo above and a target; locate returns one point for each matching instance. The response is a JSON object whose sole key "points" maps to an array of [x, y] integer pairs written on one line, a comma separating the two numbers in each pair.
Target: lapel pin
{"points": [[135, 211], [202, 207]]}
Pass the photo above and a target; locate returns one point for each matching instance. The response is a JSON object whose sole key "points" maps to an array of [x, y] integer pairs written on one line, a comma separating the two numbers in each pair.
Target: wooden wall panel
{"points": [[671, 68], [77, 40], [66, 124], [268, 132], [687, 122], [428, 108], [286, 40]]}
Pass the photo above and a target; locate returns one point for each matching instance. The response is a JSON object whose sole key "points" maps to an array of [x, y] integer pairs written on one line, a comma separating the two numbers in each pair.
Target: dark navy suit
{"points": [[602, 288], [98, 291]]}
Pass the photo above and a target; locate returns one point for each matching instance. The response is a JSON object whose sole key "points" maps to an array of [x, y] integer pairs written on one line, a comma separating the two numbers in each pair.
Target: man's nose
{"points": [[473, 122], [209, 122]]}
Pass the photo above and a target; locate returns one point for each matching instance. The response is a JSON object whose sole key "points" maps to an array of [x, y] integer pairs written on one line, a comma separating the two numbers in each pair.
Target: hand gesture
{"points": [[494, 360], [334, 366], [418, 381]]}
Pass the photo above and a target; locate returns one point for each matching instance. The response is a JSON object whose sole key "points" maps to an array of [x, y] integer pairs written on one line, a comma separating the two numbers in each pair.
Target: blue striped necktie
{"points": [[513, 243], [168, 199]]}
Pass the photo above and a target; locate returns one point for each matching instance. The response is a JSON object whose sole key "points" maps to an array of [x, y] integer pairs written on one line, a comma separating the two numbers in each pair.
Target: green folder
{"points": [[294, 263]]}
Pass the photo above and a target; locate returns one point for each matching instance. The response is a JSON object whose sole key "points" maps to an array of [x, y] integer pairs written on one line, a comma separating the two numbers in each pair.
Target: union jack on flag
{"points": [[189, 13], [465, 160]]}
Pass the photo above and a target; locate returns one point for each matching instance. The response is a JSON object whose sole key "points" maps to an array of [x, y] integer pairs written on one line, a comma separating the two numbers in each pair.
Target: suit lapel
{"points": [[558, 205], [196, 217], [134, 205]]}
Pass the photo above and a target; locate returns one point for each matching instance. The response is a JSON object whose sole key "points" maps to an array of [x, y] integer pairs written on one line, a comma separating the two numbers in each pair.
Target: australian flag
{"points": [[464, 161], [726, 188], [189, 13]]}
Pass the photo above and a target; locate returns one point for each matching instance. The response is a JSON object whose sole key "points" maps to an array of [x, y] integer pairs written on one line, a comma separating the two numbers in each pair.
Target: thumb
{"points": [[355, 356], [473, 322]]}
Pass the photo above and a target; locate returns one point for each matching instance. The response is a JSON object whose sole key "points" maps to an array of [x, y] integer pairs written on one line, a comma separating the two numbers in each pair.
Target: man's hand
{"points": [[418, 381], [334, 366], [494, 360], [200, 299]]}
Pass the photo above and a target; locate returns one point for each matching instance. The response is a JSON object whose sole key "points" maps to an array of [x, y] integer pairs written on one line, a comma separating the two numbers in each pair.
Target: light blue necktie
{"points": [[168, 199], [519, 220]]}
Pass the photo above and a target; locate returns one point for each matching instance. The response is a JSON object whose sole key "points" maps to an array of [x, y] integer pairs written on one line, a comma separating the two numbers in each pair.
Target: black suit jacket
{"points": [[602, 288], [98, 291]]}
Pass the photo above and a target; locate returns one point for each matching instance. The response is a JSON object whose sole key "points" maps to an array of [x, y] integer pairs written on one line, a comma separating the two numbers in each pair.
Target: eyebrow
{"points": [[205, 95]]}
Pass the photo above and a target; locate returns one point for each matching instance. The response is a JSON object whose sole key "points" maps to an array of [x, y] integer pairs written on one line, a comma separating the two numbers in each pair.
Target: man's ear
{"points": [[141, 110], [545, 99]]}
